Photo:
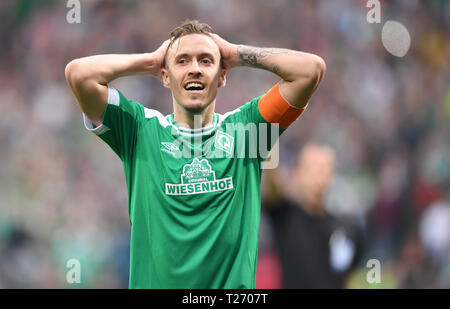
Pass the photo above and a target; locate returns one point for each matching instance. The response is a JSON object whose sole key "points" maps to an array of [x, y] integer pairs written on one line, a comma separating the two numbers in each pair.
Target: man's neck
{"points": [[189, 120]]}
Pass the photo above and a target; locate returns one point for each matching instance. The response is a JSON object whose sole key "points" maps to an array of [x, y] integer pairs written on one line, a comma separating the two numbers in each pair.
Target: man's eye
{"points": [[206, 61], [181, 61]]}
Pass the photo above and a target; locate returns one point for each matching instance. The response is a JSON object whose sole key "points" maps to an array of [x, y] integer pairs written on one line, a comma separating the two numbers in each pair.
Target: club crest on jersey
{"points": [[198, 177], [224, 141]]}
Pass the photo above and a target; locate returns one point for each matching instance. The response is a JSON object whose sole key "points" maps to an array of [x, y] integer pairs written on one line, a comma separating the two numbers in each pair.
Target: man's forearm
{"points": [[301, 72], [105, 68], [286, 63], [88, 77]]}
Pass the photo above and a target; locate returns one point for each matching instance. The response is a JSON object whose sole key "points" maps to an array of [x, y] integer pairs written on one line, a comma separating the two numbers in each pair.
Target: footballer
{"points": [[193, 197]]}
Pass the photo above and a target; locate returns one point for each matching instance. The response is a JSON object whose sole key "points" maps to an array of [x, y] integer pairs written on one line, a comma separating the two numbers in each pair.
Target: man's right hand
{"points": [[157, 63]]}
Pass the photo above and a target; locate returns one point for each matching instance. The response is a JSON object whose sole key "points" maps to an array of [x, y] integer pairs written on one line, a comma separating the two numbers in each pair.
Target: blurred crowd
{"points": [[62, 190]]}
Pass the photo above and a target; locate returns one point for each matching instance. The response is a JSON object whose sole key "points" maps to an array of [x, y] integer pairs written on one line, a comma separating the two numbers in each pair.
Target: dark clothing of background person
{"points": [[303, 243]]}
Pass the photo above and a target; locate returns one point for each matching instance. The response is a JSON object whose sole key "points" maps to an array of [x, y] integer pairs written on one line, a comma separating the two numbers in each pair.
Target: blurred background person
{"points": [[315, 249]]}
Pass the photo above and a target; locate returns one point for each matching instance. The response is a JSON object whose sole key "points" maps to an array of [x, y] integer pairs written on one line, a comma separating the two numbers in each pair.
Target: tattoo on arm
{"points": [[251, 56]]}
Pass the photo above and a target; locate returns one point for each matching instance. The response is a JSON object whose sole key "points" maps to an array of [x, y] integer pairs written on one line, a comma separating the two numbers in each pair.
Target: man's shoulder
{"points": [[241, 112], [155, 116], [228, 116]]}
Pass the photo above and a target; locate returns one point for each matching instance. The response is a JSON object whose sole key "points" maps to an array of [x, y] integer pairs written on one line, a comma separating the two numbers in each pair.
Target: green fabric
{"points": [[194, 206]]}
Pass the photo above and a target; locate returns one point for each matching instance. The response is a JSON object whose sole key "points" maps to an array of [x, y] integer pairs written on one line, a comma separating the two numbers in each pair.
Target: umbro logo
{"points": [[170, 148]]}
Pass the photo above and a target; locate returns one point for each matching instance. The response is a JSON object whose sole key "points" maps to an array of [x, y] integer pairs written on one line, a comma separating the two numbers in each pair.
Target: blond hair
{"points": [[189, 27]]}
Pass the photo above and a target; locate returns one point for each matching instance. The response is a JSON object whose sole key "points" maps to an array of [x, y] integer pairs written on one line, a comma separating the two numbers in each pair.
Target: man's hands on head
{"points": [[88, 77], [228, 52], [156, 64]]}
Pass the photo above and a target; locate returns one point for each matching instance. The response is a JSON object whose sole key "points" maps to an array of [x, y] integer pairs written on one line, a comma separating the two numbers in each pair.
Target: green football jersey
{"points": [[193, 194]]}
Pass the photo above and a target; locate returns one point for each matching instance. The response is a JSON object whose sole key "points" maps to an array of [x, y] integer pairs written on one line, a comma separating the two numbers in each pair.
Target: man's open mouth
{"points": [[194, 87]]}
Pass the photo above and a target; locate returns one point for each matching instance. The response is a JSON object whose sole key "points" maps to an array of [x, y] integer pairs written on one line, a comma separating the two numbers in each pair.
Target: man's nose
{"points": [[194, 68]]}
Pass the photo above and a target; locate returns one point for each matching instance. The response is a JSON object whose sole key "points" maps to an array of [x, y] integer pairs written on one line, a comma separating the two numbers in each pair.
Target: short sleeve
{"points": [[120, 123]]}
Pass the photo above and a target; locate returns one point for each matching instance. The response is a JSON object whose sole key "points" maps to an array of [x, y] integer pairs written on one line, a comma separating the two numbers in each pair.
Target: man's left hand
{"points": [[228, 51]]}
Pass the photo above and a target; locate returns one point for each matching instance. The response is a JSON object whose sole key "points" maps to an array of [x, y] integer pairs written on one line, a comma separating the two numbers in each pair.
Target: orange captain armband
{"points": [[275, 109]]}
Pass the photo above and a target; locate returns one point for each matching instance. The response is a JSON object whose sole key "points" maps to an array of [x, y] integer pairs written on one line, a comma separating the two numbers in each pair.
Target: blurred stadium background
{"points": [[62, 190]]}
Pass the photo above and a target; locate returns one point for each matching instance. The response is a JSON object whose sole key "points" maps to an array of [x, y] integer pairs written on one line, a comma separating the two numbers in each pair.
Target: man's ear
{"points": [[222, 78], [165, 78]]}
